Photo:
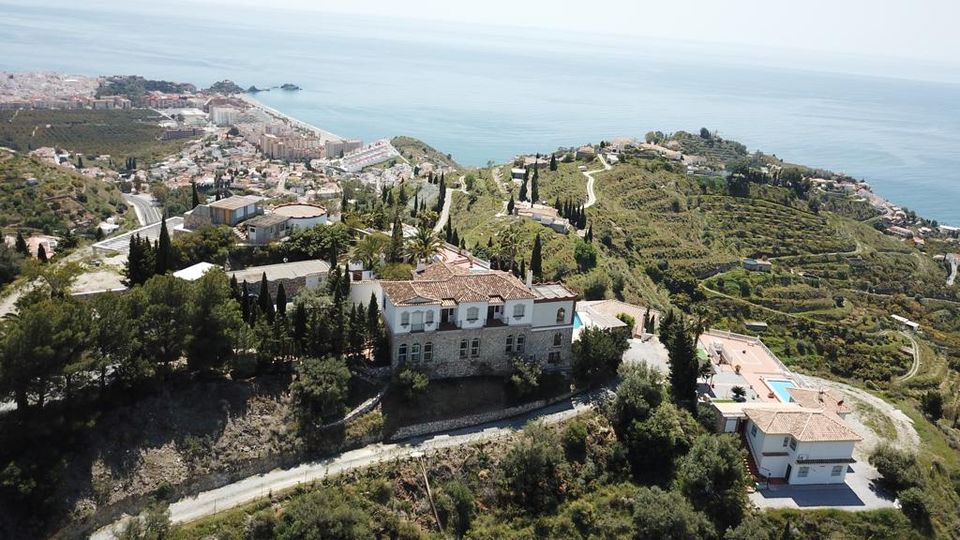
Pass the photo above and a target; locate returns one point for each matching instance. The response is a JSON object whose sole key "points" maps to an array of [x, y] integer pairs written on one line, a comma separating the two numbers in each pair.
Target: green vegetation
{"points": [[416, 150], [120, 134], [59, 199]]}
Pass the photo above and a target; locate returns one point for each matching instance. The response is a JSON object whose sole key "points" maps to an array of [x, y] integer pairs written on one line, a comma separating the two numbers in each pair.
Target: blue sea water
{"points": [[487, 93]]}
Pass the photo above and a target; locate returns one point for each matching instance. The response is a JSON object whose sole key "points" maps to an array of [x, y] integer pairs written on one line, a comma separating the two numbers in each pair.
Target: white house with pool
{"points": [[795, 434]]}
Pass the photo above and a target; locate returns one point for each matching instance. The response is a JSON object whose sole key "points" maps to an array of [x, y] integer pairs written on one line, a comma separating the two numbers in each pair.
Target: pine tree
{"points": [[195, 197], [41, 254], [264, 301], [164, 255], [553, 162], [536, 259], [510, 205], [21, 245], [281, 300]]}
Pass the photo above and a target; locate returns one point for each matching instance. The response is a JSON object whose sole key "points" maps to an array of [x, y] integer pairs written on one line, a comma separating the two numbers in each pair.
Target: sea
{"points": [[487, 93]]}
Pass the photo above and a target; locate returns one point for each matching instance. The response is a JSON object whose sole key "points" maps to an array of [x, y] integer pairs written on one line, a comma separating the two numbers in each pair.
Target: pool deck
{"points": [[756, 362]]}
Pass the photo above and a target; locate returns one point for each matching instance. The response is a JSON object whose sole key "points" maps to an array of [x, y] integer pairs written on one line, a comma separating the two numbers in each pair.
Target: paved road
{"points": [[954, 262], [447, 201], [147, 211], [591, 196], [210, 502]]}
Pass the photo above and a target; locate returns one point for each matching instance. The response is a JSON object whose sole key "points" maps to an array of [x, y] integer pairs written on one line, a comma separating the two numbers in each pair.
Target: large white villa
{"points": [[456, 321], [795, 434]]}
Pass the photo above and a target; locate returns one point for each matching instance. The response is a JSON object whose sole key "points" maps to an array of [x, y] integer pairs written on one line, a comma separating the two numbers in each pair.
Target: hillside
{"points": [[60, 199], [416, 150]]}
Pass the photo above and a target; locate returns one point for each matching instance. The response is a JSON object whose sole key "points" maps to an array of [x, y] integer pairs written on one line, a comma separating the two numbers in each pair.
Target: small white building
{"points": [[800, 445]]}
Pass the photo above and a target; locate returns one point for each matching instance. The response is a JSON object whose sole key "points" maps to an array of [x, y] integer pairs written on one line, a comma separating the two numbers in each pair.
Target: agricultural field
{"points": [[61, 199], [119, 134]]}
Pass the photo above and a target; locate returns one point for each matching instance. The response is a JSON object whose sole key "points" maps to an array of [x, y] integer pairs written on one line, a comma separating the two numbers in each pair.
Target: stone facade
{"points": [[492, 357]]}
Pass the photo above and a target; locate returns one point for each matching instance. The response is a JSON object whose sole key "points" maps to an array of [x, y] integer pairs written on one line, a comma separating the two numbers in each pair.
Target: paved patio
{"points": [[858, 493], [650, 351]]}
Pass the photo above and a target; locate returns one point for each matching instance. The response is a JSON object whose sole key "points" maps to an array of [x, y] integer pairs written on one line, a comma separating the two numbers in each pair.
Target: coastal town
{"points": [[448, 305]]}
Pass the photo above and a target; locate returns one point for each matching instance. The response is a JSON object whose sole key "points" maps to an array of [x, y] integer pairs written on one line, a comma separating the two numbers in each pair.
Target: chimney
{"points": [[529, 279]]}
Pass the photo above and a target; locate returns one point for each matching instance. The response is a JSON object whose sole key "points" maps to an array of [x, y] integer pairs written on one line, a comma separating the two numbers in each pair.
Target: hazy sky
{"points": [[916, 29]]}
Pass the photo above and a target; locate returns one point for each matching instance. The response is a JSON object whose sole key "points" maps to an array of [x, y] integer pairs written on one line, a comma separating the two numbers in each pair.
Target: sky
{"points": [[922, 30]]}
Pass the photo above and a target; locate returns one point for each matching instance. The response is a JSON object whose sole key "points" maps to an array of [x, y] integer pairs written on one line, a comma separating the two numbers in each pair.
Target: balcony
{"points": [[494, 323]]}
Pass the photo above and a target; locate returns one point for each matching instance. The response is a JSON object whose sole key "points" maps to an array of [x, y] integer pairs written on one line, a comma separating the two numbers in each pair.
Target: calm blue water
{"points": [[487, 93], [780, 386], [576, 321]]}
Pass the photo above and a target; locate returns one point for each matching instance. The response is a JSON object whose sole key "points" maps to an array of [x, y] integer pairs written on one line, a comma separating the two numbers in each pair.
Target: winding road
{"points": [[591, 195], [447, 201], [148, 212], [249, 489], [915, 368], [954, 260]]}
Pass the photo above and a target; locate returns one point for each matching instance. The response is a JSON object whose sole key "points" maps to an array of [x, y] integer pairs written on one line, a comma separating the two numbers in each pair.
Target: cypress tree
{"points": [[264, 301], [164, 255], [523, 269], [416, 205], [534, 189], [553, 162], [245, 302], [511, 205], [373, 315], [98, 235], [234, 288], [195, 197], [395, 250], [300, 325], [21, 245], [41, 253], [281, 300], [536, 259], [589, 235], [523, 189], [557, 204]]}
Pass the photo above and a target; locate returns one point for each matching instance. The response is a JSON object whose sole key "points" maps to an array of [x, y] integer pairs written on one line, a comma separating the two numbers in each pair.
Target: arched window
{"points": [[509, 348], [404, 319], [415, 352], [402, 353], [475, 347], [428, 319], [521, 340], [518, 311], [473, 314], [428, 351], [557, 339], [561, 315]]}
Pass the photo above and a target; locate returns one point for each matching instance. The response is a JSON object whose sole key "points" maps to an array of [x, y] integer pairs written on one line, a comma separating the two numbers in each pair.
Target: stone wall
{"points": [[427, 428], [493, 358]]}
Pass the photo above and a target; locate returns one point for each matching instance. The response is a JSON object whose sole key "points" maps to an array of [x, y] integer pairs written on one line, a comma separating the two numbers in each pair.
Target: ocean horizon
{"points": [[484, 94]]}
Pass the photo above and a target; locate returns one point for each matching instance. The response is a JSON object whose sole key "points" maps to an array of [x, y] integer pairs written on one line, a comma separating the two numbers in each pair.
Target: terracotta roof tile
{"points": [[802, 424], [441, 283]]}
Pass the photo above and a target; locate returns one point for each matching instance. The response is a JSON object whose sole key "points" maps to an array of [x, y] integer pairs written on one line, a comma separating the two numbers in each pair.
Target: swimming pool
{"points": [[576, 321], [780, 386]]}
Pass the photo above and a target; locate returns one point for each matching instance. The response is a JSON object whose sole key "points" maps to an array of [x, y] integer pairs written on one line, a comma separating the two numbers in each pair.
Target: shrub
{"points": [[575, 440], [914, 505], [531, 472], [526, 376], [455, 506], [597, 354], [932, 404], [898, 468], [411, 383]]}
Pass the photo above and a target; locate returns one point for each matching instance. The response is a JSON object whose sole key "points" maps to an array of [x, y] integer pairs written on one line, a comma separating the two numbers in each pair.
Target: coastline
{"points": [[321, 133]]}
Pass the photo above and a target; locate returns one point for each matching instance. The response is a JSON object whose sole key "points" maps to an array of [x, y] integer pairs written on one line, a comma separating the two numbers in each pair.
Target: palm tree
{"points": [[371, 248], [424, 245], [509, 244]]}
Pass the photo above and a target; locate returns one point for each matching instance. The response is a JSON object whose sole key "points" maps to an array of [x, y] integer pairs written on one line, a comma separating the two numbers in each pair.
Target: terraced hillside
{"points": [[60, 198]]}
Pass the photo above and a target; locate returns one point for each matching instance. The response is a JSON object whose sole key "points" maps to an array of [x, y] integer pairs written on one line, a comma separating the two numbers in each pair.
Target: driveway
{"points": [[858, 493], [650, 351]]}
